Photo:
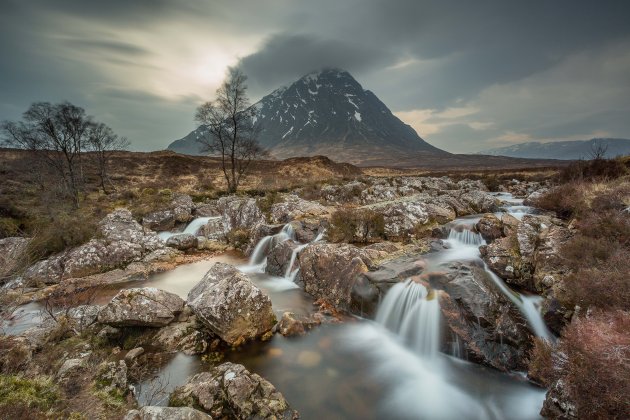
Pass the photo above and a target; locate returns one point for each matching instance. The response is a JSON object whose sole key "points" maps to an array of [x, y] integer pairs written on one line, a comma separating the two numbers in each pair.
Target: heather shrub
{"points": [[612, 225], [595, 369], [596, 169], [356, 225], [238, 238], [567, 200]]}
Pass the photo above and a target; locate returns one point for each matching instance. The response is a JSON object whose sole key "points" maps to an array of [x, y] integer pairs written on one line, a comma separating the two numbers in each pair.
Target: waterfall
{"points": [[258, 259], [465, 237], [192, 227], [290, 274], [413, 313]]}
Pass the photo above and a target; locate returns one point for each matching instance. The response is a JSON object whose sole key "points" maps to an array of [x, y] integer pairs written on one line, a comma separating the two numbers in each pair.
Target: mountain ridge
{"points": [[563, 150], [328, 113]]}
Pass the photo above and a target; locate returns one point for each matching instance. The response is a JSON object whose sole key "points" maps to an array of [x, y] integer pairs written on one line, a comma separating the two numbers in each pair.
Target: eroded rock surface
{"points": [[145, 307]]}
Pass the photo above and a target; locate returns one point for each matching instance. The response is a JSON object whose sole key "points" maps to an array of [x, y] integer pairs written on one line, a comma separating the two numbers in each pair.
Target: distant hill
{"points": [[329, 113], [565, 150]]}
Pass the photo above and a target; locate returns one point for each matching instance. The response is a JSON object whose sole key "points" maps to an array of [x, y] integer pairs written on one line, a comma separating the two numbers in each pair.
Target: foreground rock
{"points": [[142, 307], [166, 413], [231, 306], [490, 326], [231, 391], [121, 241], [182, 241], [239, 213], [295, 208]]}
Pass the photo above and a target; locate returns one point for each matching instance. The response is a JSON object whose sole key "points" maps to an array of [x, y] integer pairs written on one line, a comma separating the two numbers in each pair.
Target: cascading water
{"points": [[192, 227], [290, 274], [413, 313], [258, 259], [465, 237]]}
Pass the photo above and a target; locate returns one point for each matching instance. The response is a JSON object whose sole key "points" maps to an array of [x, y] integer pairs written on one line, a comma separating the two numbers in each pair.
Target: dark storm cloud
{"points": [[519, 69], [285, 56]]}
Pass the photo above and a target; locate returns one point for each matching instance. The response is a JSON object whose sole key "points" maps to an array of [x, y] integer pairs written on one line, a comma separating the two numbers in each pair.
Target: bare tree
{"points": [[102, 142], [232, 134], [598, 150], [55, 133]]}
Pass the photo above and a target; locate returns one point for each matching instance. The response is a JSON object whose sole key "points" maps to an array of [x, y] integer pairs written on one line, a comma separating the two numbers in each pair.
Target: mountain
{"points": [[565, 150], [329, 113]]}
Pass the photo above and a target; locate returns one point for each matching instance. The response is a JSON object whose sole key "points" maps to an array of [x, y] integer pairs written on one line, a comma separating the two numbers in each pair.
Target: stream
{"points": [[388, 367]]}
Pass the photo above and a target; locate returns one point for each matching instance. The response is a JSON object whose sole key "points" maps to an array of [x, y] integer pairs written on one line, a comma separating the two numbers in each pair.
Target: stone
{"points": [[69, 368], [401, 217], [558, 403], [214, 229], [113, 376], [239, 213], [162, 220], [182, 206], [141, 307], [490, 326], [166, 413], [231, 391], [231, 306], [207, 210], [182, 241], [188, 337], [279, 257], [490, 227], [133, 354], [295, 208], [331, 271]]}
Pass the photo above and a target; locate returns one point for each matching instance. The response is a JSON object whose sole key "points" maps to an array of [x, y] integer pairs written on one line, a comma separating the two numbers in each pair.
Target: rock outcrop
{"points": [[182, 241], [231, 306], [239, 213], [12, 253], [490, 227], [295, 208], [231, 391], [490, 326], [166, 413], [143, 307]]}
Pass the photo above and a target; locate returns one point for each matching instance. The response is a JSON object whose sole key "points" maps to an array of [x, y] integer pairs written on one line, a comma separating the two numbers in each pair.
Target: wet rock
{"points": [[279, 257], [479, 201], [231, 306], [239, 213], [490, 227], [330, 271], [161, 255], [231, 391], [291, 324], [510, 224], [182, 241], [490, 326], [12, 254], [294, 208], [112, 376], [532, 197], [558, 403], [259, 232], [503, 257], [160, 220], [214, 229], [143, 307], [306, 230], [166, 413]]}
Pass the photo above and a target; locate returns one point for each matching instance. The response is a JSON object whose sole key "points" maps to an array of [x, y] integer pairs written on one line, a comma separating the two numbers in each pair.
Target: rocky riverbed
{"points": [[164, 311]]}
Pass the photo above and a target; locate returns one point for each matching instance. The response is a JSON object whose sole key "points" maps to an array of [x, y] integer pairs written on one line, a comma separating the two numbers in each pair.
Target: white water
{"points": [[192, 227], [258, 259], [410, 311], [290, 274]]}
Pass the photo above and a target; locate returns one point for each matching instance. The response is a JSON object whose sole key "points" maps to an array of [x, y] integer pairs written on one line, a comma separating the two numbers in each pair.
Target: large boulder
{"points": [[121, 240], [401, 217], [295, 208], [490, 227], [182, 241], [160, 220], [331, 271], [143, 307], [239, 213], [182, 207], [166, 413], [279, 257], [231, 306], [490, 326], [231, 391]]}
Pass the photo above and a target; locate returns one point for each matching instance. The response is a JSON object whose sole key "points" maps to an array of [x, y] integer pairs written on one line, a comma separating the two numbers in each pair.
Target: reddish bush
{"points": [[596, 368], [596, 169], [567, 200], [540, 364]]}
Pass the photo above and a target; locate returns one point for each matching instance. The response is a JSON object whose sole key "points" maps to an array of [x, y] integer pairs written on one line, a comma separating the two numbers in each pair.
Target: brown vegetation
{"points": [[356, 225]]}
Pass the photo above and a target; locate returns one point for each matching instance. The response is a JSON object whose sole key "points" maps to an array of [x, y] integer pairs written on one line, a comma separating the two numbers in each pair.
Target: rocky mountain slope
{"points": [[329, 113], [566, 150]]}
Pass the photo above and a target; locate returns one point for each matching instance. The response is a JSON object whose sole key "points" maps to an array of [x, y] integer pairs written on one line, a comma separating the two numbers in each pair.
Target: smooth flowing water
{"points": [[193, 227]]}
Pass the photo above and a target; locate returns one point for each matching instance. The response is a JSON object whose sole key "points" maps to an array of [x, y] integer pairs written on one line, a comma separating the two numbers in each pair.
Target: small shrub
{"points": [[238, 238], [591, 170], [33, 394], [567, 200], [61, 231], [356, 225], [265, 203]]}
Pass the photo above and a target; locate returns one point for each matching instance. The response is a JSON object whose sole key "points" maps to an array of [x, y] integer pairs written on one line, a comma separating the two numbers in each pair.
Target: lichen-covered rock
{"points": [[330, 271], [214, 229], [401, 217], [490, 326], [112, 377], [490, 227], [160, 220], [558, 403], [145, 307], [239, 213], [182, 241], [209, 209], [231, 306], [166, 413], [121, 241], [295, 208], [182, 206], [279, 257], [188, 337], [231, 391]]}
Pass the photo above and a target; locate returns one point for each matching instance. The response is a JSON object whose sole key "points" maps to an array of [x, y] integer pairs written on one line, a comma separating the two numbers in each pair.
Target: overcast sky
{"points": [[467, 75]]}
